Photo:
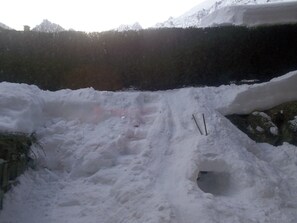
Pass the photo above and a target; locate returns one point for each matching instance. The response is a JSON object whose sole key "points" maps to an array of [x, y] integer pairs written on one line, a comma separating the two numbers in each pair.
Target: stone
{"points": [[273, 126]]}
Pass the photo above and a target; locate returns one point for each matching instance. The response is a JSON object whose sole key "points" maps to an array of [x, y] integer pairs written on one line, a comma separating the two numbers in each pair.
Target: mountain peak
{"points": [[48, 27], [194, 16], [136, 26], [3, 26]]}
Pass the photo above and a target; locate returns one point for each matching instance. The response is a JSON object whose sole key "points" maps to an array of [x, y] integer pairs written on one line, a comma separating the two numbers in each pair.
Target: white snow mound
{"points": [[136, 156], [264, 96]]}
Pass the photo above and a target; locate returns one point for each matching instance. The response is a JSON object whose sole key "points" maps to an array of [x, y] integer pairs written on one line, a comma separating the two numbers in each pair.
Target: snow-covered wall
{"points": [[264, 96], [252, 15]]}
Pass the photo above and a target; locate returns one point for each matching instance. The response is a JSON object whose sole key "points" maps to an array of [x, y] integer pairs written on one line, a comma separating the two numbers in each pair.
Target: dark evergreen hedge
{"points": [[148, 59]]}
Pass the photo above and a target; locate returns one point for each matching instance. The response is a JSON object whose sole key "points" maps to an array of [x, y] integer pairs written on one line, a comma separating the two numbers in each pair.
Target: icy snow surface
{"points": [[136, 156]]}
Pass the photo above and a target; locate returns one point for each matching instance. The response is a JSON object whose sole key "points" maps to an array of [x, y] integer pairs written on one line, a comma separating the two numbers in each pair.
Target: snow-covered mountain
{"points": [[252, 15], [3, 26], [136, 26], [194, 17], [48, 27]]}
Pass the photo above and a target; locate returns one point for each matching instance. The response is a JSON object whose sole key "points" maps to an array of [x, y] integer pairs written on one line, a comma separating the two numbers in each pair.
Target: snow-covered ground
{"points": [[135, 157]]}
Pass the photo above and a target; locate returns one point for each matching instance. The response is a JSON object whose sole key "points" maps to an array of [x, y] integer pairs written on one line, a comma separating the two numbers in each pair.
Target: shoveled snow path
{"points": [[178, 178]]}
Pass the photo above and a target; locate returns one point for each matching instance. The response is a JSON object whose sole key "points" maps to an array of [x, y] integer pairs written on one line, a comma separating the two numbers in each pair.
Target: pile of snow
{"points": [[279, 90], [204, 13], [20, 109], [253, 15], [136, 27], [48, 27], [136, 156]]}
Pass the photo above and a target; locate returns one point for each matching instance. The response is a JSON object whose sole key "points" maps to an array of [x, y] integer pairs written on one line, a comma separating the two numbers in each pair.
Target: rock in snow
{"points": [[136, 156]]}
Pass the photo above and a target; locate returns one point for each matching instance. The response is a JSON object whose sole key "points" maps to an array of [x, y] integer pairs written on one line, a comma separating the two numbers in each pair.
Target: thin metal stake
{"points": [[204, 124], [197, 124]]}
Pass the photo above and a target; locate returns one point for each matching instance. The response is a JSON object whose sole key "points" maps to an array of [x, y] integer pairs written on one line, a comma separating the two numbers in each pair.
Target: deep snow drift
{"points": [[135, 157]]}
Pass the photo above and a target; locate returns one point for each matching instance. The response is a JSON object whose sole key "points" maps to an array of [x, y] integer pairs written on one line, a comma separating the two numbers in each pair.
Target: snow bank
{"points": [[21, 107], [136, 157], [252, 15], [264, 96]]}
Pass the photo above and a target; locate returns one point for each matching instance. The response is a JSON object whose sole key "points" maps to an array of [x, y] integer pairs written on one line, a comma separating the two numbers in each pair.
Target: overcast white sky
{"points": [[91, 15]]}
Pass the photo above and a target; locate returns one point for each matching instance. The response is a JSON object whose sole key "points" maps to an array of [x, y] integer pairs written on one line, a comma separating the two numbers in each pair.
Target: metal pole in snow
{"points": [[197, 124], [204, 124]]}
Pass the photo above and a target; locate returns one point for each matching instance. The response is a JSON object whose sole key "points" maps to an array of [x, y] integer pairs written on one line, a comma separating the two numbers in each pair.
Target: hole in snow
{"points": [[216, 183]]}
